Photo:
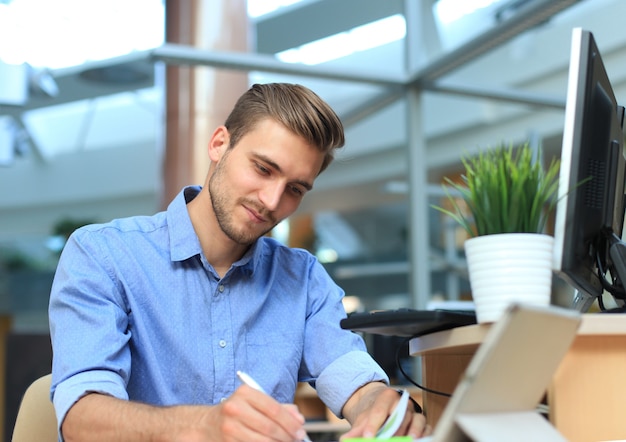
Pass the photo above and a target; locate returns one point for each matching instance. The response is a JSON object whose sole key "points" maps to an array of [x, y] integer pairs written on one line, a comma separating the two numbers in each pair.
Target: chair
{"points": [[36, 420]]}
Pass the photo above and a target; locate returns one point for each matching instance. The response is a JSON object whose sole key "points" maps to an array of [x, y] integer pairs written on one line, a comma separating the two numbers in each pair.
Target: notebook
{"points": [[497, 397]]}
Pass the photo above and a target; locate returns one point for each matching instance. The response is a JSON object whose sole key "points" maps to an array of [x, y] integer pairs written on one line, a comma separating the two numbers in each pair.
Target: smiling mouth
{"points": [[255, 215]]}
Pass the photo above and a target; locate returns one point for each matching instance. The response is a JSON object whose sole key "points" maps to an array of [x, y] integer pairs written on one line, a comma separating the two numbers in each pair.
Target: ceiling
{"points": [[500, 76]]}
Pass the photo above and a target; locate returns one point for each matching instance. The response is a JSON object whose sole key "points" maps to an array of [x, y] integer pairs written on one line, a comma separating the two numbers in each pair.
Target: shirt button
{"points": [[223, 399], [221, 288], [222, 343]]}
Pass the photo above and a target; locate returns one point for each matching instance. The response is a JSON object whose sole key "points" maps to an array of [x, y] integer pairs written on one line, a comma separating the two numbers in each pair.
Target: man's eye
{"points": [[262, 169], [297, 191]]}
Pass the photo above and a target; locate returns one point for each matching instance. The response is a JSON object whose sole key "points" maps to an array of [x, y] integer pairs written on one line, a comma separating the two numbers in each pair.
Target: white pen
{"points": [[246, 379]]}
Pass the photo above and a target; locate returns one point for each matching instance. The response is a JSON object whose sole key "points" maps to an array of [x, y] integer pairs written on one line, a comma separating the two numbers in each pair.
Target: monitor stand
{"points": [[621, 309], [582, 301], [617, 252]]}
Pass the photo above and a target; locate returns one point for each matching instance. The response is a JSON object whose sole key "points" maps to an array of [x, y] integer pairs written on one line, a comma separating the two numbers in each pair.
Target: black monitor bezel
{"points": [[590, 210]]}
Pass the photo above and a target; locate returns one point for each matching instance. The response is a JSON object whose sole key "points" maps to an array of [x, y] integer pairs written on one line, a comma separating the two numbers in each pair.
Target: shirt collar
{"points": [[184, 242], [250, 258]]}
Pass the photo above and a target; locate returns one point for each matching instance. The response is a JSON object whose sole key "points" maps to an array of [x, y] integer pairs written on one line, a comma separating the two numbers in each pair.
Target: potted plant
{"points": [[504, 200]]}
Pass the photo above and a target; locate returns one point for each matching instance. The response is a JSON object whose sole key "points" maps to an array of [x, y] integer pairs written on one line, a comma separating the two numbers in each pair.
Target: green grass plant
{"points": [[506, 191]]}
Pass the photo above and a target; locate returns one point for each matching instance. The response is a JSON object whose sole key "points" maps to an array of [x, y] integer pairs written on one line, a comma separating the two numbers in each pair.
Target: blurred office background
{"points": [[106, 108]]}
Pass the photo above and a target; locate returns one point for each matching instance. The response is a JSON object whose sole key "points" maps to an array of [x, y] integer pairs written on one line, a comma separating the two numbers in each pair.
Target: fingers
{"points": [[407, 423], [417, 426], [373, 417], [293, 409], [258, 414]]}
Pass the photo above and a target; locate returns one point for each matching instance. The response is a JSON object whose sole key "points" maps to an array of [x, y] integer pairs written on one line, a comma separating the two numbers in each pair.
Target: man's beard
{"points": [[224, 216]]}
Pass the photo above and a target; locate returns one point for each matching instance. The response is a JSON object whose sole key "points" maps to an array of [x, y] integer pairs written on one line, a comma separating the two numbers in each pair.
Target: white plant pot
{"points": [[509, 268]]}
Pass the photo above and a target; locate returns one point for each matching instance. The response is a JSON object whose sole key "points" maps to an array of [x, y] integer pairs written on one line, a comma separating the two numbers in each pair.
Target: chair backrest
{"points": [[36, 420]]}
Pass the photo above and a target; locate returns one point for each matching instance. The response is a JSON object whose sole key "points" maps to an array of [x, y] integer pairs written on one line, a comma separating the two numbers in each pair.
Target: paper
{"points": [[395, 419]]}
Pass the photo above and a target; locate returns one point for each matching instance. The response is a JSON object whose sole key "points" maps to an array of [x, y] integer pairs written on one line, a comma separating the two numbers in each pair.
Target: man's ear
{"points": [[218, 144]]}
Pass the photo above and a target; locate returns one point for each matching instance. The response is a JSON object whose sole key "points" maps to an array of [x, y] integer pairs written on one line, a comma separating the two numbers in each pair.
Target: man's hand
{"points": [[247, 415], [369, 407]]}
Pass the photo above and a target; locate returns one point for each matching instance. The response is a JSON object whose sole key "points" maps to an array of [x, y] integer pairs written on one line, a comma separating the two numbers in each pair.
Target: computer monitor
{"points": [[589, 253]]}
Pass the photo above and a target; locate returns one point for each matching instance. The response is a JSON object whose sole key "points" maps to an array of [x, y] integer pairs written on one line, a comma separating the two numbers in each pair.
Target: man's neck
{"points": [[220, 251]]}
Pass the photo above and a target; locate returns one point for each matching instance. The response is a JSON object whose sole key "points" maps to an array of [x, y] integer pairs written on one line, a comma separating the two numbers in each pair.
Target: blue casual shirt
{"points": [[137, 312]]}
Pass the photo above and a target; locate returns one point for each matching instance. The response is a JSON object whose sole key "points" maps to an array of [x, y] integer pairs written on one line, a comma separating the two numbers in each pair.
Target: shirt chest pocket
{"points": [[275, 358]]}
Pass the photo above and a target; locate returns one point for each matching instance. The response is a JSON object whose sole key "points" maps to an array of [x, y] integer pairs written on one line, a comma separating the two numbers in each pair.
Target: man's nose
{"points": [[271, 195]]}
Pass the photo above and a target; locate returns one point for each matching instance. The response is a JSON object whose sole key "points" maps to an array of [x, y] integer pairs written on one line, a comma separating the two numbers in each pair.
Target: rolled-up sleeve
{"points": [[344, 376], [67, 393], [337, 359], [88, 327]]}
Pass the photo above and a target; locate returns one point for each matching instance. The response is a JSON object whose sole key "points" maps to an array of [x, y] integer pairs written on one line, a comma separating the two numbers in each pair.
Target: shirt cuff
{"points": [[338, 382], [68, 392]]}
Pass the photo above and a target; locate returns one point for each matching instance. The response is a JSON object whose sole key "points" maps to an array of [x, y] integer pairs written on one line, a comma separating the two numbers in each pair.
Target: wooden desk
{"points": [[445, 355], [587, 397]]}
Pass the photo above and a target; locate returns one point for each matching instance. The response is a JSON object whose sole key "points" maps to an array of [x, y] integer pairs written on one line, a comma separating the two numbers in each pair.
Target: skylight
{"points": [[451, 10], [62, 33], [364, 37], [361, 38], [258, 8]]}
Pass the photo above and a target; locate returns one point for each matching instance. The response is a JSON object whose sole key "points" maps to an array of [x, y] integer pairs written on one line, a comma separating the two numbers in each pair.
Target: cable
{"points": [[615, 287], [408, 378]]}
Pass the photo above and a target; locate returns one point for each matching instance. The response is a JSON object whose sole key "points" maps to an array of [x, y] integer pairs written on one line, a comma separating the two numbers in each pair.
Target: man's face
{"points": [[262, 180]]}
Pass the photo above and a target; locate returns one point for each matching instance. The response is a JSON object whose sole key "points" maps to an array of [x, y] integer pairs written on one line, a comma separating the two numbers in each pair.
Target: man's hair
{"points": [[296, 107]]}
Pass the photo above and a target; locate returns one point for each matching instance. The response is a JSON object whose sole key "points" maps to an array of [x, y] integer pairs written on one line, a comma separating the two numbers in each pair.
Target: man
{"points": [[152, 317]]}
